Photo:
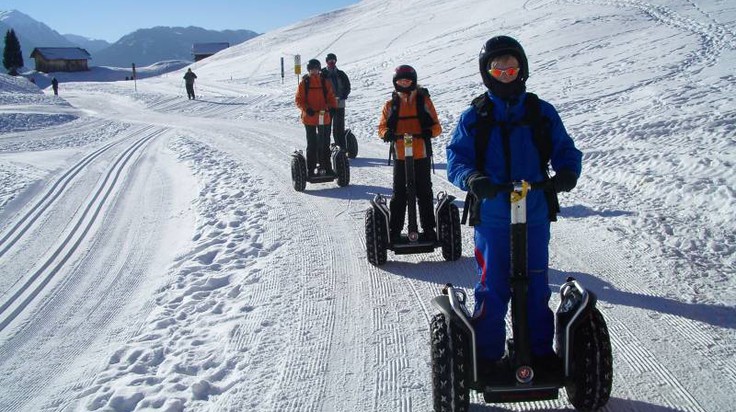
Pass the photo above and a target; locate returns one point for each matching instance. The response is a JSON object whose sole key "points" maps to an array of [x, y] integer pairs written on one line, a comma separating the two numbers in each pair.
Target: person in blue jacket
{"points": [[511, 154]]}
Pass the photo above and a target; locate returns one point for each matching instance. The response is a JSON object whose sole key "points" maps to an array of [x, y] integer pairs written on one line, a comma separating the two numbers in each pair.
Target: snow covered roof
{"points": [[209, 48], [62, 53]]}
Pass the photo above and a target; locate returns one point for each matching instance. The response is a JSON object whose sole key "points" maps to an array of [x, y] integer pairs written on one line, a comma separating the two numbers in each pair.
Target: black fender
{"points": [[576, 304], [451, 303], [335, 150], [298, 153], [378, 203], [443, 202]]}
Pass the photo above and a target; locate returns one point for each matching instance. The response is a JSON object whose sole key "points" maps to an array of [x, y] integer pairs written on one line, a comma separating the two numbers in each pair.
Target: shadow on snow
{"points": [[721, 316]]}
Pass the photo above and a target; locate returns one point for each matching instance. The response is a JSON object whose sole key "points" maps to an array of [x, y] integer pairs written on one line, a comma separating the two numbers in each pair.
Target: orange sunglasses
{"points": [[511, 71]]}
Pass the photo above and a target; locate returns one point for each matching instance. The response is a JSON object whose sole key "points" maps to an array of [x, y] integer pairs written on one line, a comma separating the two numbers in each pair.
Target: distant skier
{"points": [[341, 85], [55, 86], [189, 77]]}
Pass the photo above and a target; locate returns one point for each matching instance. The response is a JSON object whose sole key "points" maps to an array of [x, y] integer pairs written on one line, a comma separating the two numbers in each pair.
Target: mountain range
{"points": [[91, 45], [148, 46], [143, 47]]}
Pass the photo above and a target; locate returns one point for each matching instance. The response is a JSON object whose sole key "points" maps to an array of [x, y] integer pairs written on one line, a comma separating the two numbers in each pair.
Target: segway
{"points": [[378, 217], [300, 175], [582, 343]]}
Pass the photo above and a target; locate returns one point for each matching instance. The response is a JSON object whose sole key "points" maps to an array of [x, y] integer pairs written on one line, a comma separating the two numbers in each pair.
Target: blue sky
{"points": [[110, 20]]}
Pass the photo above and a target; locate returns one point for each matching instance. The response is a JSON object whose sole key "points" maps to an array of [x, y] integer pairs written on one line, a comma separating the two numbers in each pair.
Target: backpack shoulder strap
{"points": [[305, 78], [393, 117], [425, 119], [541, 130], [542, 137], [323, 76], [483, 107]]}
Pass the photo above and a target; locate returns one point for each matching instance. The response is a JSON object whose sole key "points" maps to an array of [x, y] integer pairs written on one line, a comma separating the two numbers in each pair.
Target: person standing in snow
{"points": [[410, 110], [341, 86], [189, 77], [512, 154], [55, 86], [316, 99]]}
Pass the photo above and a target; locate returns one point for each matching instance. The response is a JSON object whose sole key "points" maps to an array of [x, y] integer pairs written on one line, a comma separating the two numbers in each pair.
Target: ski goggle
{"points": [[511, 72]]}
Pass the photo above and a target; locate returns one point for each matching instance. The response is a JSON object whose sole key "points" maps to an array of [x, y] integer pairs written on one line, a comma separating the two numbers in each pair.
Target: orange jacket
{"points": [[409, 123], [315, 99]]}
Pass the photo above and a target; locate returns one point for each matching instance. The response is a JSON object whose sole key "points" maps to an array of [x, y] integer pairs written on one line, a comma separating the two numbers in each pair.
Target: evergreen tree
{"points": [[12, 56]]}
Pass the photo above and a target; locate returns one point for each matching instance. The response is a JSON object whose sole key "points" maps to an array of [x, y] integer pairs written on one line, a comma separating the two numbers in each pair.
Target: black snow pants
{"points": [[423, 184], [318, 148], [337, 128]]}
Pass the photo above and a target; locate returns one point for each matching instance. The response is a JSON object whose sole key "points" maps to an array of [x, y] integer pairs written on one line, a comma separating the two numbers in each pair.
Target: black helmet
{"points": [[331, 56], [313, 64], [498, 46], [405, 72]]}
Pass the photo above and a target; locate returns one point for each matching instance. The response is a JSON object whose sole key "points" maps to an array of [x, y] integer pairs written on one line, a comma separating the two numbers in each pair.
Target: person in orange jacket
{"points": [[316, 99], [411, 111]]}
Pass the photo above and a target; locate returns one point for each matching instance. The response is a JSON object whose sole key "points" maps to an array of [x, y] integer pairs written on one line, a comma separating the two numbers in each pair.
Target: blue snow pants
{"points": [[493, 293]]}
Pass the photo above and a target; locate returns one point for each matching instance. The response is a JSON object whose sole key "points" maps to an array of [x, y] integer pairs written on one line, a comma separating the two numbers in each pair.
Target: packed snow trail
{"points": [[204, 282], [83, 255]]}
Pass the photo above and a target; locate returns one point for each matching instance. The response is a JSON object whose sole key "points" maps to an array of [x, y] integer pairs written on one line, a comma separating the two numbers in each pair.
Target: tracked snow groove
{"points": [[35, 284], [27, 220]]}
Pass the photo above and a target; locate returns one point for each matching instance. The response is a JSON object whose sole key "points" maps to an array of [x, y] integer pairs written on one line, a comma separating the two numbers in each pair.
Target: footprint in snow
{"points": [[207, 258]]}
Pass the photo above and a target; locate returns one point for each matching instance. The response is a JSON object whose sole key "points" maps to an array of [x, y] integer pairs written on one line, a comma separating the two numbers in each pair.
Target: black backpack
{"points": [[425, 119], [541, 135]]}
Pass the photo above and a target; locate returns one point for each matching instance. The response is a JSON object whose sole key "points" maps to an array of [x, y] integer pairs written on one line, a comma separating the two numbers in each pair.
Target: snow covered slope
{"points": [[162, 261]]}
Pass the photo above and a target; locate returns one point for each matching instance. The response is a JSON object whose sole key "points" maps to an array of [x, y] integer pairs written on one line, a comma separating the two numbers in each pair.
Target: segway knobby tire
{"points": [[450, 236], [450, 367], [589, 387], [298, 173], [376, 238], [352, 144], [342, 168]]}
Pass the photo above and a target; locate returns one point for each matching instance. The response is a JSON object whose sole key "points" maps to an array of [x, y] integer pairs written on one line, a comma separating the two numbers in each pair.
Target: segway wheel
{"points": [[450, 236], [342, 168], [352, 144], [299, 173], [376, 237], [450, 366], [591, 377]]}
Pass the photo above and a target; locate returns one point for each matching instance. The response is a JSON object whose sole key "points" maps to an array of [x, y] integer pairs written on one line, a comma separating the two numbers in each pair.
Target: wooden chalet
{"points": [[60, 59]]}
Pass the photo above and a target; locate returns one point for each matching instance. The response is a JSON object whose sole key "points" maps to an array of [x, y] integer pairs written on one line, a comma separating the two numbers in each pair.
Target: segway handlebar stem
{"points": [[544, 185]]}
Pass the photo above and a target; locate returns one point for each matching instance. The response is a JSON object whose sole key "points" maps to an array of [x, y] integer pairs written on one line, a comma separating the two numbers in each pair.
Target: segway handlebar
{"points": [[544, 185], [521, 186]]}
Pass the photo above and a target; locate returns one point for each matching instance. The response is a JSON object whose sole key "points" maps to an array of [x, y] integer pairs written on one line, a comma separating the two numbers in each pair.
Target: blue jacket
{"points": [[461, 159]]}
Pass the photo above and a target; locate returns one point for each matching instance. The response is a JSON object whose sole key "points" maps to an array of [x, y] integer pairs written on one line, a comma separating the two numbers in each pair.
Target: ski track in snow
{"points": [[270, 304], [35, 283]]}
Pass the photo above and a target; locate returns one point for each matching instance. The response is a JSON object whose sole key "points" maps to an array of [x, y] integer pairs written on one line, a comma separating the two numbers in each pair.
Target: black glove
{"points": [[389, 136], [332, 111], [564, 181], [309, 111], [481, 186], [426, 134]]}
